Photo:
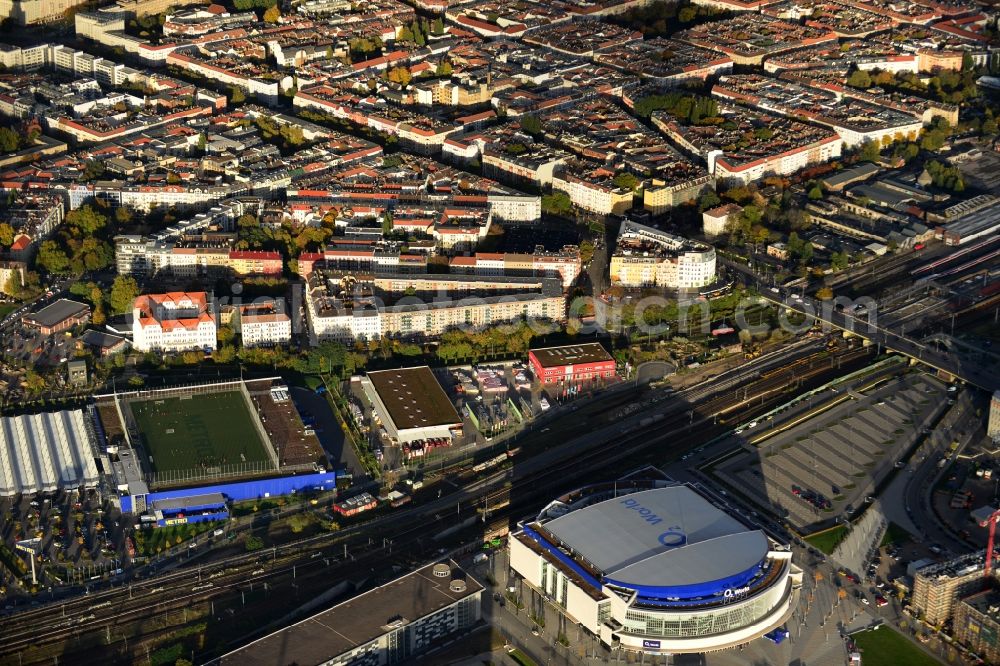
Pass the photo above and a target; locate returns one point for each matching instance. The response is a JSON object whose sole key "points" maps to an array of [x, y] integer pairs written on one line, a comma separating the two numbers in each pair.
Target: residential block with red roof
{"points": [[175, 321]]}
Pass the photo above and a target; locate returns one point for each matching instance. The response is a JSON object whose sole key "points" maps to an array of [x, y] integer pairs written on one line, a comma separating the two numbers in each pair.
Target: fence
{"points": [[168, 478], [242, 470], [175, 391], [261, 432]]}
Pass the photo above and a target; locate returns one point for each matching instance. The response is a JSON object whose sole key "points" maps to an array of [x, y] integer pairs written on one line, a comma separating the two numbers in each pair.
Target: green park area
{"points": [[827, 540], [887, 647]]}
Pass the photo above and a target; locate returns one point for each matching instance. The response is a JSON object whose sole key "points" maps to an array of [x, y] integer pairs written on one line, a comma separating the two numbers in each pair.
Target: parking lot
{"points": [[820, 466], [79, 538], [28, 345]]}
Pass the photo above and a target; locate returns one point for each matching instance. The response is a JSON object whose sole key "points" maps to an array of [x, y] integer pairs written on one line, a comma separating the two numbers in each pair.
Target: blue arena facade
{"points": [[656, 567], [194, 503]]}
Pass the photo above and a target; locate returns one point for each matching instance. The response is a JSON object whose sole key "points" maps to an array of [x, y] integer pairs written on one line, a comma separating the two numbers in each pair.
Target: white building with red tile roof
{"points": [[175, 321]]}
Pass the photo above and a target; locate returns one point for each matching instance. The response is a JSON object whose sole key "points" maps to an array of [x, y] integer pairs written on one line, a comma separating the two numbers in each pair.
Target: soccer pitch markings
{"points": [[205, 430]]}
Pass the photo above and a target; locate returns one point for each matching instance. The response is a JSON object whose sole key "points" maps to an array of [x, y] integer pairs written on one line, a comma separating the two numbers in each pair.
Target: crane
{"points": [[991, 521]]}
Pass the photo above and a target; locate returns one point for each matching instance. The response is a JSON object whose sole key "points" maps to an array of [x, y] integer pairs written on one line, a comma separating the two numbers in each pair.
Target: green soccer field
{"points": [[205, 430]]}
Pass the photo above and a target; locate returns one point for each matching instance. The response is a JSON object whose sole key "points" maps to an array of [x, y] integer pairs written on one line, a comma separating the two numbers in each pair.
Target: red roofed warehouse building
{"points": [[176, 321], [572, 363]]}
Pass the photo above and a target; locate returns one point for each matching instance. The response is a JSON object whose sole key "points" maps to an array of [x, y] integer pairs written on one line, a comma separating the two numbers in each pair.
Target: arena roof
{"points": [[663, 538], [414, 398], [590, 352]]}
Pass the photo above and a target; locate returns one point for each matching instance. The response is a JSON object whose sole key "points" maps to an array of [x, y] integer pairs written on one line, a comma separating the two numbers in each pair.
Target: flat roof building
{"points": [[981, 222], [56, 317], [103, 344], [411, 404], [656, 567], [389, 624], [937, 588], [648, 257], [977, 624], [45, 452], [571, 363], [76, 372]]}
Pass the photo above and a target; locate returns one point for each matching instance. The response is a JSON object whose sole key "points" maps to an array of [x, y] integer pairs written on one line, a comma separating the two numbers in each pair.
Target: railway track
{"points": [[510, 492], [160, 596]]}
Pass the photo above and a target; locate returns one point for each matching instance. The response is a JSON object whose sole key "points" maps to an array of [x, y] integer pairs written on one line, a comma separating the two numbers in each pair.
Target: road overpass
{"points": [[866, 326]]}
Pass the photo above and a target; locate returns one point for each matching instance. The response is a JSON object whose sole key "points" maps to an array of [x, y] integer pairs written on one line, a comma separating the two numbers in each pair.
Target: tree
{"points": [[202, 141], [444, 68], [586, 251], [708, 199], [272, 14], [532, 125], [6, 234], [824, 293], [400, 75], [839, 261], [869, 152], [33, 382], [224, 354], [52, 258], [123, 215], [236, 95], [225, 334], [806, 253], [752, 214], [816, 193], [85, 220], [437, 27], [626, 181], [14, 285], [557, 203], [687, 14], [247, 221], [92, 170], [859, 79], [124, 291], [96, 296], [10, 141]]}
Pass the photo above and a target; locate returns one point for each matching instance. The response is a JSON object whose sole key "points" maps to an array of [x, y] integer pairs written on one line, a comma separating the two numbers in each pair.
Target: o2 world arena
{"points": [[656, 568]]}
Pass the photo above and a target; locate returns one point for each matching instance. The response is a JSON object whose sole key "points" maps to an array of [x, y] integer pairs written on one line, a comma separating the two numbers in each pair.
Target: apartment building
{"points": [[32, 217], [938, 587], [564, 264], [595, 194], [976, 624], [660, 195], [263, 324], [714, 221], [993, 424], [646, 257], [350, 307], [173, 322]]}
